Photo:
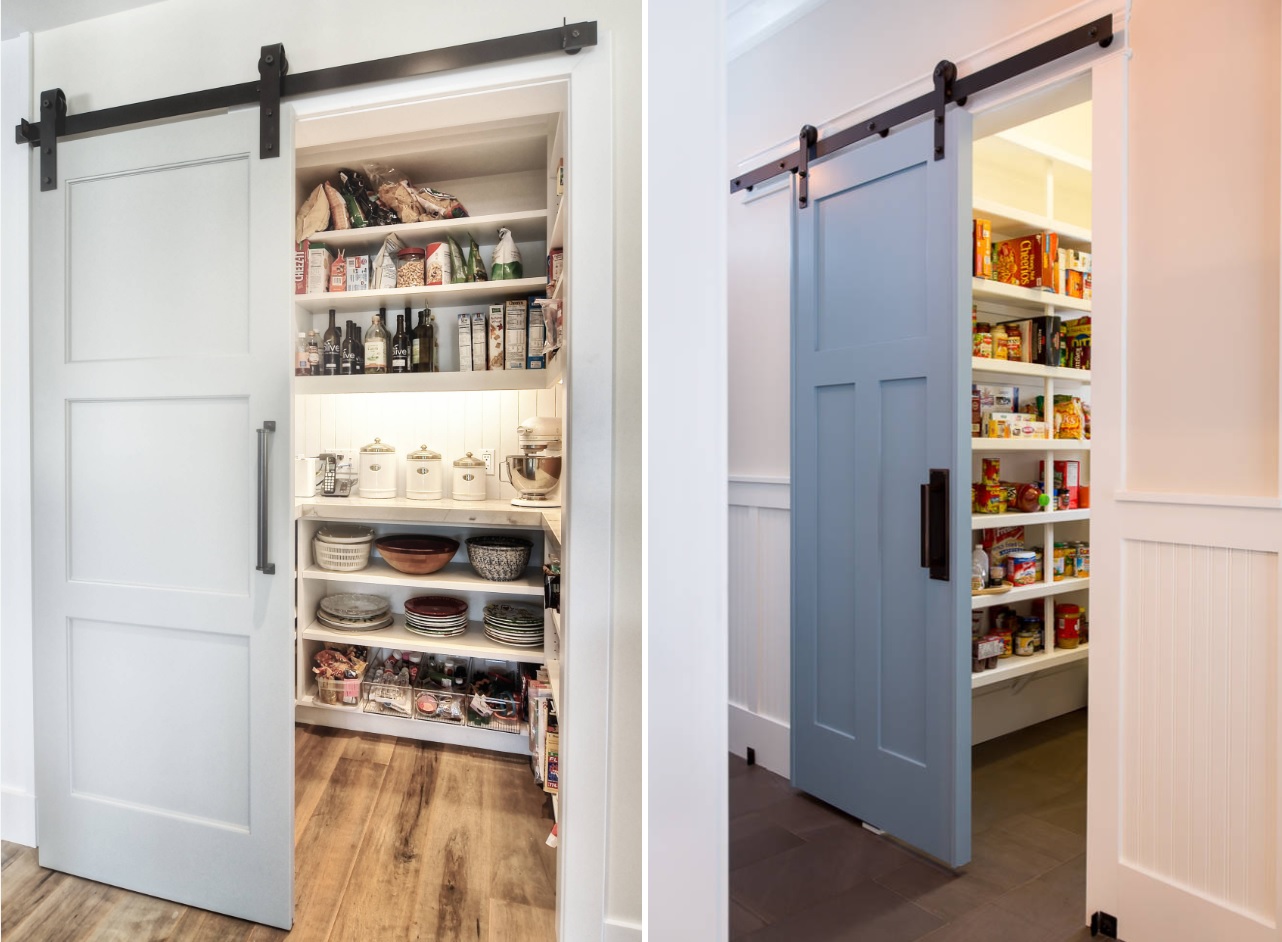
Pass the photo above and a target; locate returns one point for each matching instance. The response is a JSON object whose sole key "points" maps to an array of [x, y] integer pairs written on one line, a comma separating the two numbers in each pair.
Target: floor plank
{"points": [[395, 839]]}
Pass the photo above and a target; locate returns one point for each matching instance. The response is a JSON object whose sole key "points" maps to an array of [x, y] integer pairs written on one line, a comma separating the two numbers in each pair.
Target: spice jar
{"points": [[410, 268]]}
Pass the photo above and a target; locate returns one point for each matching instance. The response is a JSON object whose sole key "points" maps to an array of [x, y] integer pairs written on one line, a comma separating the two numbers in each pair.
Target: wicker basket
{"points": [[341, 557]]}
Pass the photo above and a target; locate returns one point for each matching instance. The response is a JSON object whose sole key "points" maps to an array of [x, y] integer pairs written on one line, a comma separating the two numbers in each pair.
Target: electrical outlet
{"points": [[487, 455]]}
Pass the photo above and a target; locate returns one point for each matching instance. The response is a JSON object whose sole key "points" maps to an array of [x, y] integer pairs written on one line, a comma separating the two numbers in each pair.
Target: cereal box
{"points": [[358, 273], [465, 343], [1029, 261], [479, 342], [496, 337], [983, 248], [514, 335]]}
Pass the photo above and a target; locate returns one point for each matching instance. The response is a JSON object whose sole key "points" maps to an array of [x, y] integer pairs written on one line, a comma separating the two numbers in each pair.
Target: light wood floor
{"points": [[394, 839]]}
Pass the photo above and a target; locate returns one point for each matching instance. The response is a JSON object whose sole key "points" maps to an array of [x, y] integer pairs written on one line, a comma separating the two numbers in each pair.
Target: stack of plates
{"points": [[437, 616], [353, 611], [519, 625]]}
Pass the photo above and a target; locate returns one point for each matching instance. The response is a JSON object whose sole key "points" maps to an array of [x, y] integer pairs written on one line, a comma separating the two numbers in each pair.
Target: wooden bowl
{"points": [[416, 555]]}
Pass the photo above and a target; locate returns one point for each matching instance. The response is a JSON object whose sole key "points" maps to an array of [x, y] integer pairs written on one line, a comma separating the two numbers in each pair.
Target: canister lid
{"points": [[411, 252], [378, 447], [468, 462], [423, 454]]}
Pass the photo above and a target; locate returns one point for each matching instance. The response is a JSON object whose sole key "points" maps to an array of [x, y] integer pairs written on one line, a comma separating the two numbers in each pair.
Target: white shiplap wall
{"points": [[760, 665], [452, 423]]}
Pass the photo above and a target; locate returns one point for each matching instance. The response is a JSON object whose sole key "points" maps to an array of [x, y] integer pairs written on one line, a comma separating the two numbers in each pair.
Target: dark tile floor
{"points": [[800, 869]]}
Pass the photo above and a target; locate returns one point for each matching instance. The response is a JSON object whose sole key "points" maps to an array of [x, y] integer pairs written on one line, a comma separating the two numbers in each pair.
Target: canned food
{"points": [[1021, 567], [1082, 561]]}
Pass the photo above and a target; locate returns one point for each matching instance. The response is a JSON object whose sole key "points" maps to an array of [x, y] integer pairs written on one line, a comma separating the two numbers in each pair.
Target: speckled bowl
{"points": [[499, 558]]}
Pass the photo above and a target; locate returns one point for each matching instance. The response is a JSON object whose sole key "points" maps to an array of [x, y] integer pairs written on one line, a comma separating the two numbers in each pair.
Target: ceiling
{"points": [[36, 16]]}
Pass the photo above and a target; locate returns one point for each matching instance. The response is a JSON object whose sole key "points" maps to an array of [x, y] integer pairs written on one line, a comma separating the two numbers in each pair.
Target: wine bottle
{"points": [[376, 344], [347, 364], [358, 365], [421, 345], [332, 352], [401, 345]]}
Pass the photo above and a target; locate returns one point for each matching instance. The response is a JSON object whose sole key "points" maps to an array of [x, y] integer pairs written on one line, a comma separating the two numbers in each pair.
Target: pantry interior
{"points": [[1032, 178], [501, 153]]}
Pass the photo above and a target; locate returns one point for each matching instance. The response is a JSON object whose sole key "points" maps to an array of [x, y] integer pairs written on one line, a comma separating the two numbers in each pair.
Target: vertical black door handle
{"points": [[263, 565], [935, 538]]}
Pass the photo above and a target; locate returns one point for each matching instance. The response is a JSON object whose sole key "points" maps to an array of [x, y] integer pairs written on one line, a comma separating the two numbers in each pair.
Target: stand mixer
{"points": [[536, 472]]}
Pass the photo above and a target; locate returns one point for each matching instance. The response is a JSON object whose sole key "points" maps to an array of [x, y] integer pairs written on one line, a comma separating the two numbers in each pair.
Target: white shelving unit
{"points": [[502, 170], [1024, 185]]}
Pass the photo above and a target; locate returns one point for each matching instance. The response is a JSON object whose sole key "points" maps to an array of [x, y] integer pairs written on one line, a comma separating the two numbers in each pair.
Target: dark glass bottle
{"points": [[347, 357], [421, 345], [332, 352], [401, 345], [358, 365]]}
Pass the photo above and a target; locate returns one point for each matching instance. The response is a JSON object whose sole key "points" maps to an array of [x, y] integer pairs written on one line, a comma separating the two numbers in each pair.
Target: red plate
{"points": [[435, 606]]}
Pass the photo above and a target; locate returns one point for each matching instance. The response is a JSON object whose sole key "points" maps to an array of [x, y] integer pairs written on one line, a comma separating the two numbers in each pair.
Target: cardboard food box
{"points": [[300, 266], [1077, 343], [1029, 261], [465, 343], [1043, 344], [480, 346], [358, 273], [496, 337], [1067, 478], [319, 261], [514, 335], [998, 541], [536, 335], [983, 248]]}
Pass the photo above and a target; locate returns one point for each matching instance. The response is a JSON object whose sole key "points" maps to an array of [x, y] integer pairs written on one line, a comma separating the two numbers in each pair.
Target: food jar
{"points": [[423, 474], [1061, 561], [1021, 567], [469, 478], [1025, 642], [1082, 560], [378, 470], [1067, 625], [411, 265], [1033, 623], [1008, 641]]}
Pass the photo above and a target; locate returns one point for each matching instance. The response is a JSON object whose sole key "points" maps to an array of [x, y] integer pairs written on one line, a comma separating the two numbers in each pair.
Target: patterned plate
{"points": [[345, 625], [355, 605], [514, 616], [436, 606]]}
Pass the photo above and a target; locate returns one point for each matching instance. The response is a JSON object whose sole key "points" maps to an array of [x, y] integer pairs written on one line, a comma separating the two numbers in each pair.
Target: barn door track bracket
{"points": [[275, 84], [272, 67], [805, 141], [949, 88]]}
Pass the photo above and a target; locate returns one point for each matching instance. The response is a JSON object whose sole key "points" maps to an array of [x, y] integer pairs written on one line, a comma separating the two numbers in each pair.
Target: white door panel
{"points": [[161, 275]]}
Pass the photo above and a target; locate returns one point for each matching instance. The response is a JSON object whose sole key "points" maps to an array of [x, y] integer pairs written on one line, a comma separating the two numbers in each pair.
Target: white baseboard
{"points": [[620, 931], [768, 737], [18, 816]]}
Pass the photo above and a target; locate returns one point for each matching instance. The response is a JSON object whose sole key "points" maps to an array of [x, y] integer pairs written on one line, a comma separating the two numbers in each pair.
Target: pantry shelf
{"points": [[1011, 667], [526, 226], [1022, 593], [986, 366], [1010, 220], [993, 521], [1033, 299], [1029, 444], [456, 577], [472, 644], [475, 292], [462, 513], [309, 710], [480, 380]]}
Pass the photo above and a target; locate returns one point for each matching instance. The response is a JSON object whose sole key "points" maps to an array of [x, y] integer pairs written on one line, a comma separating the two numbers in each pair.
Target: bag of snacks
{"points": [[475, 268], [438, 205], [383, 274], [1069, 419], [507, 258], [313, 217], [458, 270], [337, 208], [412, 202]]}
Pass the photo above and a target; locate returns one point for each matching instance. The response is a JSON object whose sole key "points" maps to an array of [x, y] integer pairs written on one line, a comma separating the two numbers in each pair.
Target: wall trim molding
{"points": [[749, 490], [618, 930], [755, 21], [767, 736], [17, 816], [980, 58], [1199, 500]]}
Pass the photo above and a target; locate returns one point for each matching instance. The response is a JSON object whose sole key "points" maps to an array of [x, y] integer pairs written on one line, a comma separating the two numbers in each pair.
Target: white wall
{"points": [[17, 742], [153, 51], [851, 61]]}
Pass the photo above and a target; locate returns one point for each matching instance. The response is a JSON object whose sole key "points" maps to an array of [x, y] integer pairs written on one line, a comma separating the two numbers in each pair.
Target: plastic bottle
{"points": [[978, 569], [301, 365]]}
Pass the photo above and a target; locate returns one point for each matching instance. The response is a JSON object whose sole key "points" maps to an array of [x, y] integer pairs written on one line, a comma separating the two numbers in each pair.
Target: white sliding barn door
{"points": [[1183, 815], [164, 715]]}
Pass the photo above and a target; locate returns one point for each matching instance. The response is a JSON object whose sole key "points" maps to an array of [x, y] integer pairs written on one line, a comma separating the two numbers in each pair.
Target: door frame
{"points": [[589, 403]]}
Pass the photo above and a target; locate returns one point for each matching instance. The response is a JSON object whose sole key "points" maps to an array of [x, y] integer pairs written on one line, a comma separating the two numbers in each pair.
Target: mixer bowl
{"points": [[534, 475]]}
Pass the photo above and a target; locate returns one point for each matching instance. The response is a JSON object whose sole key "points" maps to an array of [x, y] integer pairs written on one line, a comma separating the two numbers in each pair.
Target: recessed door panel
{"points": [[172, 288], [149, 485]]}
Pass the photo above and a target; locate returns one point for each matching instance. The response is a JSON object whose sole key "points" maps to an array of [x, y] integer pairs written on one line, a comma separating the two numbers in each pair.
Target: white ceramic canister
{"points": [[469, 478], [423, 475], [378, 470]]}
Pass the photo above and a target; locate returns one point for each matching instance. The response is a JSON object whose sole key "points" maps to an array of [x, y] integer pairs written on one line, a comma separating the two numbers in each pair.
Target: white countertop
{"points": [[493, 513]]}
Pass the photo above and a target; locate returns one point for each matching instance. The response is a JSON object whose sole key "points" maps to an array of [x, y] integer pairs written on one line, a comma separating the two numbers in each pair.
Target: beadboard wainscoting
{"points": [[760, 635], [451, 423]]}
